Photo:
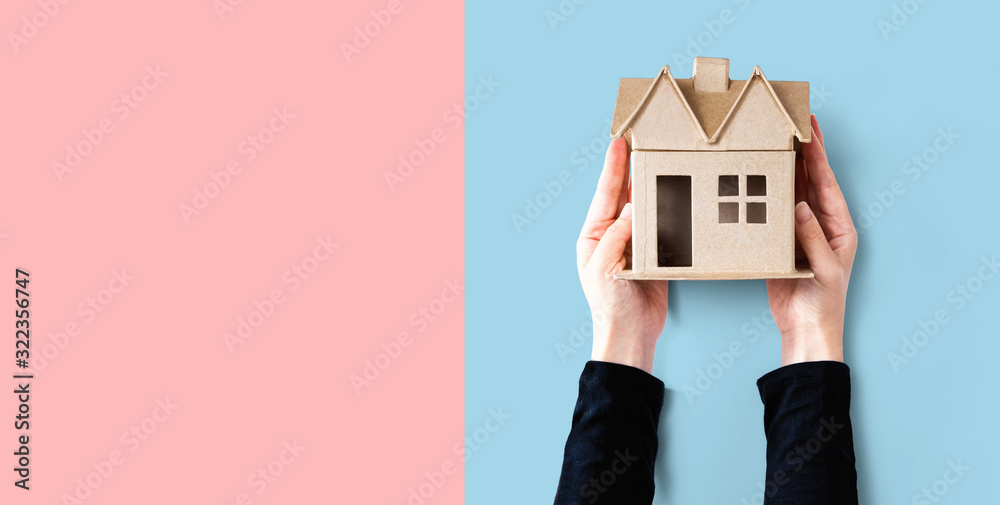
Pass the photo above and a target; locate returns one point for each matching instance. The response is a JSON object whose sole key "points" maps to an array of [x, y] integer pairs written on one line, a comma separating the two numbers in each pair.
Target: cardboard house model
{"points": [[713, 173]]}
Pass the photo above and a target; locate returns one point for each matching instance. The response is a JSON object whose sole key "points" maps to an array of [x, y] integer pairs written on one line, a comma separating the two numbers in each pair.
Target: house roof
{"points": [[711, 111]]}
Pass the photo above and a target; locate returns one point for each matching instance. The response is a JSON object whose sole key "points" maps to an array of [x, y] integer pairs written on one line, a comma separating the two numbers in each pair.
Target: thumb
{"points": [[810, 234], [610, 250]]}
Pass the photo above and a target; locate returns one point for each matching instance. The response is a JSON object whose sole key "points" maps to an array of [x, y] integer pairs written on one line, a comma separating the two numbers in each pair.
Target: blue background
{"points": [[883, 102]]}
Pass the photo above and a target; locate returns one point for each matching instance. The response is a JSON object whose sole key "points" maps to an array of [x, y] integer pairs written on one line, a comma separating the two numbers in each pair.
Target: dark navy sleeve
{"points": [[612, 444], [810, 443]]}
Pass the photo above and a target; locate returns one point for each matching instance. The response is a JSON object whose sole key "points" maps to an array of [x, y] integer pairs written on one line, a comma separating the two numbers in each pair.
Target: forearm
{"points": [[612, 444], [810, 442]]}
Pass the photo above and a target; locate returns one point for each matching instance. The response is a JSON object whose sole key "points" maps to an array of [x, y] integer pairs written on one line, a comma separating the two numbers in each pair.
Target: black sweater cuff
{"points": [[617, 375], [612, 444], [810, 441]]}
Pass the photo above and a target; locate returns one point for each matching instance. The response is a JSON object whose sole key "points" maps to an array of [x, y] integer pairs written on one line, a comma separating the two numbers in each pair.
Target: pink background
{"points": [[321, 176]]}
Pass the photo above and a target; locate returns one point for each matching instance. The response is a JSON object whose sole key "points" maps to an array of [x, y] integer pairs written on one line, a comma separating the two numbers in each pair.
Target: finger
{"points": [[817, 166], [604, 207], [626, 192], [584, 250], [826, 198], [607, 200], [823, 262], [610, 250], [815, 126]]}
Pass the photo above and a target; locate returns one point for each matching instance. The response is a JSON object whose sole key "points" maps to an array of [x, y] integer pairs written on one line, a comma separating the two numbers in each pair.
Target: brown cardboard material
{"points": [[713, 173]]}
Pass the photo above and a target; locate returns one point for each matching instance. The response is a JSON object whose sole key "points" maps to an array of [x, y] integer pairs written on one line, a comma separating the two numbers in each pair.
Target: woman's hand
{"points": [[628, 315], [809, 313]]}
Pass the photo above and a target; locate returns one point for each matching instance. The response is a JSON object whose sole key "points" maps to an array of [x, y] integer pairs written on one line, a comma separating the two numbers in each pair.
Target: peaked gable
{"points": [[664, 118], [669, 114]]}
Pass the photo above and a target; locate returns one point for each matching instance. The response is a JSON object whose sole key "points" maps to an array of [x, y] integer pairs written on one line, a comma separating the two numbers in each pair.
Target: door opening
{"points": [[673, 220]]}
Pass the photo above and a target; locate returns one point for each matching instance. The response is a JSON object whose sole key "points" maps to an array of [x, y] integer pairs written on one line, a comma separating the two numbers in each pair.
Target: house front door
{"points": [[673, 220]]}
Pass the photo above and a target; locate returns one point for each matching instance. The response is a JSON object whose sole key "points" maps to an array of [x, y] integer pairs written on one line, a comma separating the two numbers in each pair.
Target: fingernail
{"points": [[627, 211], [615, 142], [802, 212]]}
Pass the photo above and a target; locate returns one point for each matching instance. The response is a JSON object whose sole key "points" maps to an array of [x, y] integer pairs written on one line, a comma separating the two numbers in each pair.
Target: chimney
{"points": [[711, 75]]}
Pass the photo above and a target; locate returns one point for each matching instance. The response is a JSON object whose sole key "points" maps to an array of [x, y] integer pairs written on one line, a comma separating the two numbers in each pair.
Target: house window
{"points": [[756, 212], [729, 185], [729, 212], [729, 208]]}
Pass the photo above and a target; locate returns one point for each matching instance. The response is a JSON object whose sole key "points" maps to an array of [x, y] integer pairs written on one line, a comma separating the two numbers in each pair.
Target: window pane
{"points": [[729, 212], [757, 212], [756, 185], [729, 185]]}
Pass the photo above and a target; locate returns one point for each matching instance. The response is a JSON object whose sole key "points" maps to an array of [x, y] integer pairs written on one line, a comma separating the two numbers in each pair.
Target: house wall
{"points": [[739, 246]]}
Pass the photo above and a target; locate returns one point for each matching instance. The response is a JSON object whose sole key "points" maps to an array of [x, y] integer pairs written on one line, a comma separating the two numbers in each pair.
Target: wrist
{"points": [[623, 349], [820, 344]]}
